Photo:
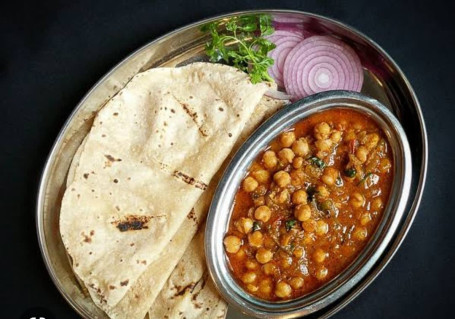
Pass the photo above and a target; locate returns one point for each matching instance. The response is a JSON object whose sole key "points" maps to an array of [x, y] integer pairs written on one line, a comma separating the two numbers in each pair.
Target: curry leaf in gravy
{"points": [[290, 224], [316, 161]]}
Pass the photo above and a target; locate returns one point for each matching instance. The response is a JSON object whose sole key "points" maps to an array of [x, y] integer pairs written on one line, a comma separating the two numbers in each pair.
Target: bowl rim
{"points": [[221, 207]]}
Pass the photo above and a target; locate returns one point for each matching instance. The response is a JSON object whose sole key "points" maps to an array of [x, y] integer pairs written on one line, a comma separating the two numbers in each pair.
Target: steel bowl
{"points": [[223, 199], [384, 81]]}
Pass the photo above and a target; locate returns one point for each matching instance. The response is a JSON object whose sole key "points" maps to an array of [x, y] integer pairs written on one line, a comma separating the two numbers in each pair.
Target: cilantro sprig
{"points": [[240, 42]]}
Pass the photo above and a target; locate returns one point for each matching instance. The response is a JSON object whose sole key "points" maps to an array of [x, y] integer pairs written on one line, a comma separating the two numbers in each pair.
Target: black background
{"points": [[52, 52]]}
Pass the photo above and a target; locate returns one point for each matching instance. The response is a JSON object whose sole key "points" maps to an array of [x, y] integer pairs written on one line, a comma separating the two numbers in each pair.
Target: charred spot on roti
{"points": [[112, 158], [182, 290], [190, 180], [194, 117], [230, 134], [115, 114], [87, 238], [192, 215], [172, 110], [115, 180], [111, 287], [86, 175], [103, 135], [220, 109], [132, 222], [124, 283]]}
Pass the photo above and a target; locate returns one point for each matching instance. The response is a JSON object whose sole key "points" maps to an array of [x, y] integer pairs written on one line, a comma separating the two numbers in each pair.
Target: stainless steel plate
{"points": [[384, 81]]}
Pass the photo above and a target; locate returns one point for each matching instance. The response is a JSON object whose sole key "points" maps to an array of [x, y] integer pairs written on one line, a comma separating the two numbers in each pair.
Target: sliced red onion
{"points": [[321, 63], [285, 41]]}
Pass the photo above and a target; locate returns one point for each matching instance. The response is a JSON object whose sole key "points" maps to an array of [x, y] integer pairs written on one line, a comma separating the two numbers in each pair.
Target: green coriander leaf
{"points": [[240, 45]]}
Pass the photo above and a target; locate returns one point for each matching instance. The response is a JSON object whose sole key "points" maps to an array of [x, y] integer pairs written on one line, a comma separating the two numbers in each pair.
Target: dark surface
{"points": [[52, 53]]}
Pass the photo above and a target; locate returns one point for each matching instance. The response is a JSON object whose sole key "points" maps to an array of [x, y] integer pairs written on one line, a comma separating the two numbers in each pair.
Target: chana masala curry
{"points": [[308, 204]]}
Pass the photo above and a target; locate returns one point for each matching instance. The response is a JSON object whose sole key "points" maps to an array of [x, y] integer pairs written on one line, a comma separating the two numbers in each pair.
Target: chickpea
{"points": [[287, 138], [319, 255], [283, 290], [385, 165], [376, 204], [322, 228], [249, 277], [323, 192], [301, 147], [245, 224], [297, 162], [265, 286], [357, 200], [335, 136], [262, 176], [232, 244], [299, 197], [262, 213], [296, 282], [350, 135], [241, 253], [286, 262], [322, 130], [365, 218], [321, 273], [302, 212], [328, 180], [259, 201], [264, 255], [330, 176], [323, 145], [308, 239], [297, 177], [252, 288], [360, 233], [270, 160], [255, 239], [269, 269], [283, 196], [250, 184], [251, 264], [282, 178], [286, 155], [298, 252], [269, 243], [357, 126], [371, 140], [309, 225], [362, 154]]}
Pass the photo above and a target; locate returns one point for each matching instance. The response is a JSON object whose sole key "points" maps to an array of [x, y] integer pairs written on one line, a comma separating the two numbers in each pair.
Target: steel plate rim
{"points": [[59, 140]]}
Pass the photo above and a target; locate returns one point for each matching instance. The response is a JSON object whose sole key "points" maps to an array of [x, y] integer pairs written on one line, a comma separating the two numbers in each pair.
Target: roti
{"points": [[150, 154]]}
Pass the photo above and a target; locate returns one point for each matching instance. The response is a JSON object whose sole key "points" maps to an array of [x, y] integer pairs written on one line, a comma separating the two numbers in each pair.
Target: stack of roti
{"points": [[140, 185]]}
